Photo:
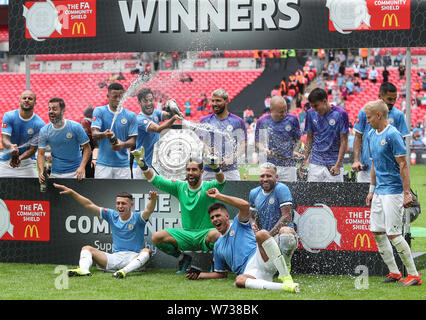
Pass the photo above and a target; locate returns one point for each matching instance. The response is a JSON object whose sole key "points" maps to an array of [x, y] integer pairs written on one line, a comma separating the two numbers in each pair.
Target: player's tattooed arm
{"points": [[283, 221], [254, 219]]}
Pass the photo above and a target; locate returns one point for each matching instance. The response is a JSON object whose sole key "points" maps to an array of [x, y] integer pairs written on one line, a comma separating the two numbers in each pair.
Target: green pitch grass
{"points": [[35, 282], [40, 282]]}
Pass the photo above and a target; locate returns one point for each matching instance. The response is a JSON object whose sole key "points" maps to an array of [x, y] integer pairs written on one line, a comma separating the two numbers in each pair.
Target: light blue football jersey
{"points": [[126, 235], [146, 138], [65, 144], [395, 117], [22, 132], [269, 205], [233, 250], [125, 126], [384, 147]]}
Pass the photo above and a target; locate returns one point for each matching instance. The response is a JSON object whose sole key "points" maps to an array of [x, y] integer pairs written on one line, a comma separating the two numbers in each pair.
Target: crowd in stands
{"points": [[342, 75]]}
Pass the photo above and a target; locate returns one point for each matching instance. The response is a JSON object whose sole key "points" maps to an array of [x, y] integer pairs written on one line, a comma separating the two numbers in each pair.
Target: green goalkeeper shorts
{"points": [[191, 239]]}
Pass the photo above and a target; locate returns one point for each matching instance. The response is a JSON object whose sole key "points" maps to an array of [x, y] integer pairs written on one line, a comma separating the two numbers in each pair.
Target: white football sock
{"points": [[137, 263], [85, 260], [274, 253], [262, 284], [385, 250], [404, 253]]}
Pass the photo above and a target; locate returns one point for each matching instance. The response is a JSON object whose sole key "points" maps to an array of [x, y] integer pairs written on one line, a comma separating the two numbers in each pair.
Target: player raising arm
{"points": [[254, 258], [127, 229]]}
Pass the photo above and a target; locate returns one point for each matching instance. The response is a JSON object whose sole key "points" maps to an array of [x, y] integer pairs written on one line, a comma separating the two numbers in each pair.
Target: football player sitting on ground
{"points": [[197, 232], [254, 258], [127, 229], [271, 206]]}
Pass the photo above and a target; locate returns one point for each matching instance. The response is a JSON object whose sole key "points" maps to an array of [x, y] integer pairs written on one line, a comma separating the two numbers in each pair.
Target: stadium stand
{"points": [[82, 89], [370, 92]]}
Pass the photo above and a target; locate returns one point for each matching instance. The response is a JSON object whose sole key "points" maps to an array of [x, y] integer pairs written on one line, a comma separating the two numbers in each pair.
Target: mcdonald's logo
{"points": [[80, 27], [390, 18], [362, 238], [33, 231]]}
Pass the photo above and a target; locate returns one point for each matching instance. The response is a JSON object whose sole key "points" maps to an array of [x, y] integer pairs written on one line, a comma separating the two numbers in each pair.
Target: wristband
{"points": [[145, 168], [372, 188]]}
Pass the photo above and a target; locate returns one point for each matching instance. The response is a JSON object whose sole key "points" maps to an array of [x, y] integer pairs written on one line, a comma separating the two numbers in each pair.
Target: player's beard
{"points": [[194, 181], [268, 186], [218, 109], [148, 109], [27, 108], [56, 120]]}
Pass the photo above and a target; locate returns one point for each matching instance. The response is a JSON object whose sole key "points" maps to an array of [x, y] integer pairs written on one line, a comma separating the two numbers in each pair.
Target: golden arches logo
{"points": [[80, 27], [363, 238], [390, 18], [33, 231]]}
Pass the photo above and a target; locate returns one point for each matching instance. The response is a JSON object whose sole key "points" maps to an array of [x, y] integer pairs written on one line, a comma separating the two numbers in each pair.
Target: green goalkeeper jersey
{"points": [[193, 203]]}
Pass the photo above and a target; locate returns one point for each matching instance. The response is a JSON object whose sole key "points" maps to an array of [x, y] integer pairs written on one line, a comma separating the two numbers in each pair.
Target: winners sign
{"points": [[78, 26]]}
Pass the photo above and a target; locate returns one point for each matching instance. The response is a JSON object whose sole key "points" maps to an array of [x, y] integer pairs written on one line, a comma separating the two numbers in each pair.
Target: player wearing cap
{"points": [[19, 132], [66, 138], [254, 258], [389, 192], [197, 231], [362, 163], [128, 230], [327, 138], [113, 158], [271, 206]]}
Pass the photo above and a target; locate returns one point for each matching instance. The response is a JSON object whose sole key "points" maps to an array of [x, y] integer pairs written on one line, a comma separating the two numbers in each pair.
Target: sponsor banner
{"points": [[334, 234], [60, 19], [28, 220], [195, 25], [334, 228], [369, 15]]}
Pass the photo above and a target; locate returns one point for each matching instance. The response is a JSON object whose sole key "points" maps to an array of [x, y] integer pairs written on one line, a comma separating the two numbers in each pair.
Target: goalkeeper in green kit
{"points": [[198, 232]]}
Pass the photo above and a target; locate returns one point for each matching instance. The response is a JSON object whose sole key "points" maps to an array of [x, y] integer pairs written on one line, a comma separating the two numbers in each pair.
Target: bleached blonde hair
{"points": [[377, 106]]}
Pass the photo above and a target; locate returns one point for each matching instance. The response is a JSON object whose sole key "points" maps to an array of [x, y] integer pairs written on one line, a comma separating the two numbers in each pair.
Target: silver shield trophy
{"points": [[173, 151]]}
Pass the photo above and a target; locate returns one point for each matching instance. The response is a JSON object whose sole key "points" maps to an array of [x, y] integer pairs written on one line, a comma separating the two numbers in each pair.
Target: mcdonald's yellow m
{"points": [[390, 18], [33, 231], [362, 238], [80, 27]]}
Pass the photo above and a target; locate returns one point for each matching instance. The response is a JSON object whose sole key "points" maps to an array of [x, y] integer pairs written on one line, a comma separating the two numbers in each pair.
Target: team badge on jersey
{"points": [[130, 226], [30, 131], [123, 121], [383, 142], [390, 120], [69, 135], [332, 122], [288, 128], [271, 200], [229, 127], [156, 119], [232, 233]]}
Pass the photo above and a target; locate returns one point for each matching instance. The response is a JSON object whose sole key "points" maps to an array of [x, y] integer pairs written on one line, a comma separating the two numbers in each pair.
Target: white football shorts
{"points": [[386, 213]]}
